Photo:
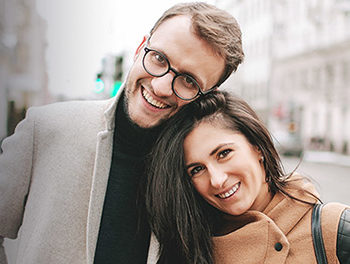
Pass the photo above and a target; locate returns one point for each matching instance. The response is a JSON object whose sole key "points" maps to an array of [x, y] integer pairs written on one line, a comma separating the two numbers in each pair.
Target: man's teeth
{"points": [[230, 192], [152, 101]]}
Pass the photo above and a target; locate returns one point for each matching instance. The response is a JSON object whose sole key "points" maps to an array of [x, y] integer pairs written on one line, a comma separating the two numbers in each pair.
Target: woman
{"points": [[217, 192]]}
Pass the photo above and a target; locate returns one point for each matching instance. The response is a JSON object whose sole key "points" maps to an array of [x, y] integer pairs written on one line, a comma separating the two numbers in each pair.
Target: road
{"points": [[332, 181]]}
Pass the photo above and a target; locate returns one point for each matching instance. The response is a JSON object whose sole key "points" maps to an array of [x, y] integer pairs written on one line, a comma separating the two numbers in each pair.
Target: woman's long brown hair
{"points": [[179, 217]]}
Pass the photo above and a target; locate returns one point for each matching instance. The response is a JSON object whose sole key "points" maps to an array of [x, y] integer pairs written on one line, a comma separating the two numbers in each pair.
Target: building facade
{"points": [[22, 59], [297, 68]]}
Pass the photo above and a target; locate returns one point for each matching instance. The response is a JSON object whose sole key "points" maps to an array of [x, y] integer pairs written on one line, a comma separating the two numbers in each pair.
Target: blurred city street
{"points": [[295, 73], [332, 180]]}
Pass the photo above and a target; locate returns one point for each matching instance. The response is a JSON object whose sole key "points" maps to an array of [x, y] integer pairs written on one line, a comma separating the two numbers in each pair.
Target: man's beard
{"points": [[127, 95]]}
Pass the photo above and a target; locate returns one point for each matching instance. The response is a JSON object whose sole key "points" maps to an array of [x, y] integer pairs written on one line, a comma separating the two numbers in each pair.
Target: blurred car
{"points": [[288, 143]]}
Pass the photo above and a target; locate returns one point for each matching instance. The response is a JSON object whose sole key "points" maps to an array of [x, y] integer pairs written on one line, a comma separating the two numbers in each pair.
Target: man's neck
{"points": [[132, 138]]}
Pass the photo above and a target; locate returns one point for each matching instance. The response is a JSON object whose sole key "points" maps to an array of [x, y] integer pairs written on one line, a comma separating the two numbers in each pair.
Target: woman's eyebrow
{"points": [[211, 153], [192, 164], [218, 147]]}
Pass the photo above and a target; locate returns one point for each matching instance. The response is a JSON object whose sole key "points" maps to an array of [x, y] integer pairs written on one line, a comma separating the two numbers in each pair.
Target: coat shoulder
{"points": [[69, 109], [71, 115], [330, 218], [343, 241]]}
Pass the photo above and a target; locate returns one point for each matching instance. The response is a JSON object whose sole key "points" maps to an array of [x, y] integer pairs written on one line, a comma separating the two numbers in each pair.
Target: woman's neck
{"points": [[229, 223]]}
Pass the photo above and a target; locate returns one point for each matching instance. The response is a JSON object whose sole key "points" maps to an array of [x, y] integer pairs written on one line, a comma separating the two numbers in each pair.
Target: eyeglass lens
{"points": [[158, 65]]}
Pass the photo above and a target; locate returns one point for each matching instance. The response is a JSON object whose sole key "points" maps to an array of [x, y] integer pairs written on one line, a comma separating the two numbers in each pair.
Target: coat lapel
{"points": [[258, 233], [100, 176]]}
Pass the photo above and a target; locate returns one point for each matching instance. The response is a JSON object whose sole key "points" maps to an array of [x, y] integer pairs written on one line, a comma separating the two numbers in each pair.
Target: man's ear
{"points": [[139, 48]]}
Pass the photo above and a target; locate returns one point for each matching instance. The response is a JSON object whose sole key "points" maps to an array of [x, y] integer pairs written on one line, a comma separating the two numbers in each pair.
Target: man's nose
{"points": [[217, 177], [162, 85]]}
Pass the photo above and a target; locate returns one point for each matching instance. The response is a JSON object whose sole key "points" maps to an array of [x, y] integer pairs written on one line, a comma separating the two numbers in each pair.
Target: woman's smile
{"points": [[230, 193]]}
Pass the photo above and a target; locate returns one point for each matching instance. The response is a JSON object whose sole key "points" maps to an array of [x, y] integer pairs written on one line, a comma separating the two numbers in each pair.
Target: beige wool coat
{"points": [[53, 177], [280, 234]]}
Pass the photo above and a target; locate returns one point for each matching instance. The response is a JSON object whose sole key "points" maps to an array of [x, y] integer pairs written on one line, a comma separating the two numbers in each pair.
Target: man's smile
{"points": [[152, 101]]}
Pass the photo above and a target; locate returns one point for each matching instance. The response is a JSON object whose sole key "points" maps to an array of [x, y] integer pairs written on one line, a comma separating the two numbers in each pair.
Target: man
{"points": [[70, 175]]}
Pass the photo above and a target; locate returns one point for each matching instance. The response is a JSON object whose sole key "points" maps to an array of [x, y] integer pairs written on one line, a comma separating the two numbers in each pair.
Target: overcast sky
{"points": [[81, 32]]}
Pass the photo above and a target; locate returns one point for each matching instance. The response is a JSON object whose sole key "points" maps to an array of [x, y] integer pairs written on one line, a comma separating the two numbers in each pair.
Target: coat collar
{"points": [[102, 163], [109, 114], [280, 205], [261, 230]]}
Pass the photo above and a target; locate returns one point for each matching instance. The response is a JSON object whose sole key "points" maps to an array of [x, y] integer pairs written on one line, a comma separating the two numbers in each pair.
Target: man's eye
{"points": [[159, 58], [224, 153], [195, 170], [189, 80]]}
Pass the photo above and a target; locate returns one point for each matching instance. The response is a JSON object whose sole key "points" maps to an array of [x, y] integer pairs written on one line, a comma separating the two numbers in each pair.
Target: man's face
{"points": [[150, 99]]}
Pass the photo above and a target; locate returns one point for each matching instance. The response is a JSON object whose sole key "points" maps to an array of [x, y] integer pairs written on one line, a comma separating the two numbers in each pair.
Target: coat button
{"points": [[278, 246]]}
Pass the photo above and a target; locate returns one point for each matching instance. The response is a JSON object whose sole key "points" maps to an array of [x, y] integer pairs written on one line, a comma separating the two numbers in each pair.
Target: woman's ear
{"points": [[259, 153], [257, 149], [139, 48]]}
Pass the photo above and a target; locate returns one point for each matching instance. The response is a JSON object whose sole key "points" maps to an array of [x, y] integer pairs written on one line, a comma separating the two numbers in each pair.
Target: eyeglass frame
{"points": [[177, 74]]}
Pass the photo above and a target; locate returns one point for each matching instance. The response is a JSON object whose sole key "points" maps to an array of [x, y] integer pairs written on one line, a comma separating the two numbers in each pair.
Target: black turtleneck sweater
{"points": [[124, 235]]}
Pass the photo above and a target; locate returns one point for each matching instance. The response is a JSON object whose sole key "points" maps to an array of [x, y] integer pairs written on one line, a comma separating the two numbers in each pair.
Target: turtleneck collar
{"points": [[131, 138]]}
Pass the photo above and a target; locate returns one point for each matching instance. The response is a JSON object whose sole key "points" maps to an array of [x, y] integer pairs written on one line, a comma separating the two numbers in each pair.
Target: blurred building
{"points": [[23, 79], [297, 68], [110, 77], [252, 78]]}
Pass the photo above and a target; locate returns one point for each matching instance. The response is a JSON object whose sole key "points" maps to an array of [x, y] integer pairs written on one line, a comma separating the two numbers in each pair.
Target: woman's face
{"points": [[226, 169]]}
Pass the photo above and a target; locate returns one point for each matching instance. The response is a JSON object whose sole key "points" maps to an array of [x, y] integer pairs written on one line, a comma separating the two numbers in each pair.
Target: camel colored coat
{"points": [[280, 234], [53, 176]]}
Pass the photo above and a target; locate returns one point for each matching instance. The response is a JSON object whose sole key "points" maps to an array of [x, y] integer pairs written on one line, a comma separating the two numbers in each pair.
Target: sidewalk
{"points": [[327, 157]]}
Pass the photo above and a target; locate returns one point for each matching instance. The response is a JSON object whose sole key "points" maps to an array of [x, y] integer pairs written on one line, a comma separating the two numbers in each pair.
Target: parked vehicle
{"points": [[288, 143]]}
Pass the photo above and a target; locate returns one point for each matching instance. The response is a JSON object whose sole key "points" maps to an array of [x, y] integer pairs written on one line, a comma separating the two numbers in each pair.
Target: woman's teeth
{"points": [[230, 192], [152, 101]]}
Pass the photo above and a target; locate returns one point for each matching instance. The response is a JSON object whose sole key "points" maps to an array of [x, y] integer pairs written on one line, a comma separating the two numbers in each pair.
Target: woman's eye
{"points": [[224, 153], [195, 170]]}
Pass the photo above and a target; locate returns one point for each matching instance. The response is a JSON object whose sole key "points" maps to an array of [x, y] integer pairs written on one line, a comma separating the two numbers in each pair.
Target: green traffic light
{"points": [[116, 88], [99, 86]]}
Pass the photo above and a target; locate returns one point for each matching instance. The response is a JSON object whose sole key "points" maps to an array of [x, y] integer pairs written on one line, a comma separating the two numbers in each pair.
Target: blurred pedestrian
{"points": [[70, 174]]}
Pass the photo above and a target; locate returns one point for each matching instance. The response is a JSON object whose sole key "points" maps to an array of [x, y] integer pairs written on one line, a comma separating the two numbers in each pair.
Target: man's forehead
{"points": [[186, 51]]}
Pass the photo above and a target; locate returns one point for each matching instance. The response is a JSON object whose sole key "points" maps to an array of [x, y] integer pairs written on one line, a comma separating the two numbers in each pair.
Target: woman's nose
{"points": [[217, 177]]}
